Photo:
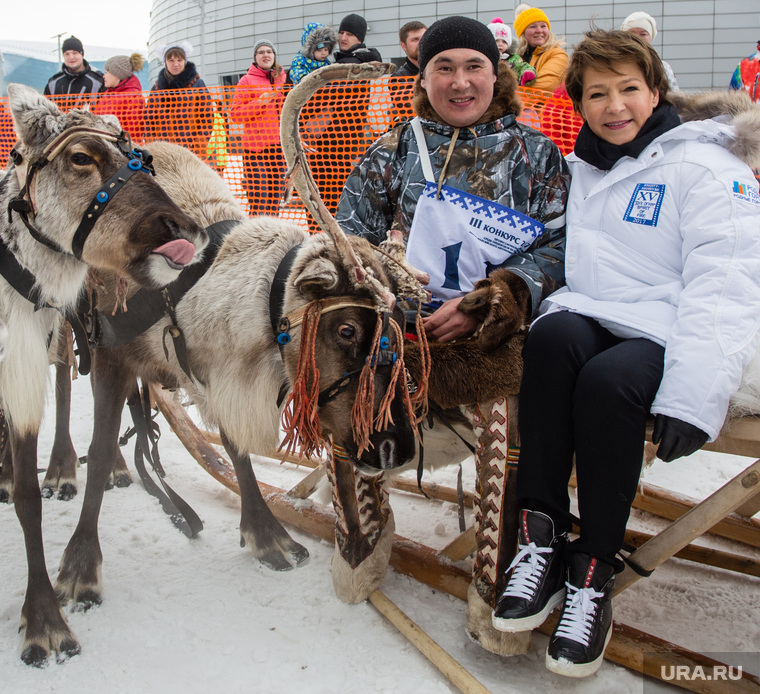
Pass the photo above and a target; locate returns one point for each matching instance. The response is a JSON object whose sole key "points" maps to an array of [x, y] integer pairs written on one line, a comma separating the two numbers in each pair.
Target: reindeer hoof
{"points": [[122, 480], [275, 561], [284, 558], [35, 656], [5, 497], [67, 492], [88, 599], [68, 649], [47, 491]]}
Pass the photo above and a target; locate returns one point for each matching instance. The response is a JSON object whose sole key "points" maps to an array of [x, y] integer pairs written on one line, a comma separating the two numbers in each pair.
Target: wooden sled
{"points": [[437, 569]]}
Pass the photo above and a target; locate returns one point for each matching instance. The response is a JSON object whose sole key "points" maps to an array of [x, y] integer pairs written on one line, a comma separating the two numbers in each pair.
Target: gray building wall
{"points": [[703, 40]]}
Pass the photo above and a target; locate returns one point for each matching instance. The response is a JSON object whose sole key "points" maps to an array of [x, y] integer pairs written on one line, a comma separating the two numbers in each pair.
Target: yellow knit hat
{"points": [[527, 17]]}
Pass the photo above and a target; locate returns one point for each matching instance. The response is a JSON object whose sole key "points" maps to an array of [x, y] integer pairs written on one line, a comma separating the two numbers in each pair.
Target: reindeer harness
{"points": [[23, 203], [283, 324]]}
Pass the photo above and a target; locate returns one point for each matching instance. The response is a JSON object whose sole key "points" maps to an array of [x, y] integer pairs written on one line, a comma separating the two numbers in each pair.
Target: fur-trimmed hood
{"points": [[316, 35], [505, 100], [732, 107]]}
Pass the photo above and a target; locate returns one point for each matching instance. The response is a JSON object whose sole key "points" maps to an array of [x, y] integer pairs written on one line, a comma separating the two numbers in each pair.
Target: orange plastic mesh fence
{"points": [[236, 130]]}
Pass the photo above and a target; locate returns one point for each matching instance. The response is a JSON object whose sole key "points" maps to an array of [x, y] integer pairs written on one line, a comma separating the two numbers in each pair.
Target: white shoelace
{"points": [[524, 580], [578, 615]]}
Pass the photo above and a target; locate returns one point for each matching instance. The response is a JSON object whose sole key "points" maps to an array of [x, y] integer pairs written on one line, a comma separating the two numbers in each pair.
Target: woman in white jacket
{"points": [[659, 317]]}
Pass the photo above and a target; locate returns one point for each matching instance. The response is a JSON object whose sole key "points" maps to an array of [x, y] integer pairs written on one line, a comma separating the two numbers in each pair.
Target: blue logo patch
{"points": [[746, 192], [644, 205]]}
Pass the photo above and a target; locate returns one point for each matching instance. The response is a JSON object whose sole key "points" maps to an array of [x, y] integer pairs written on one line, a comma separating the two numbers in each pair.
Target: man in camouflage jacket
{"points": [[494, 157], [465, 95]]}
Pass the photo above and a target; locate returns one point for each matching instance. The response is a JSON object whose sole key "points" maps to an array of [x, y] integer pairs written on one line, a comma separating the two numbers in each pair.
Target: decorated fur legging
{"points": [[588, 392]]}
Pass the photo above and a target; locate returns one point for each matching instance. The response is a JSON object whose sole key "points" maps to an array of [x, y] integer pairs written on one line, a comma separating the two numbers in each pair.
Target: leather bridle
{"points": [[23, 203]]}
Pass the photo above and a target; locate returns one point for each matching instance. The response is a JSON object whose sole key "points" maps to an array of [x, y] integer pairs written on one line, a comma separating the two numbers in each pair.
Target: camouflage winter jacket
{"points": [[508, 162]]}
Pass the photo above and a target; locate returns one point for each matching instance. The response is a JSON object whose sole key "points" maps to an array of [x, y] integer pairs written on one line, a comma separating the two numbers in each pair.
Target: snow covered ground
{"points": [[202, 616]]}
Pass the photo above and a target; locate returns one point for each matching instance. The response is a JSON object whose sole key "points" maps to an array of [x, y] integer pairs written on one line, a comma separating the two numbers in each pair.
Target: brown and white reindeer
{"points": [[77, 197], [275, 308]]}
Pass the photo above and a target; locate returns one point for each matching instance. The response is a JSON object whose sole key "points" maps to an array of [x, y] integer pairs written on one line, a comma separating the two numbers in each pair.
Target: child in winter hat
{"points": [[317, 43], [508, 49]]}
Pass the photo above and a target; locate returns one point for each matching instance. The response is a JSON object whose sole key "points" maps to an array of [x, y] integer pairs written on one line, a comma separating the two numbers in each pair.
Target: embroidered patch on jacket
{"points": [[746, 192], [645, 203]]}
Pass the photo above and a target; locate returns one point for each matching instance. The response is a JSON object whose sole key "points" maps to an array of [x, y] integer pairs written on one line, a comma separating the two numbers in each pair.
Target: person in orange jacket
{"points": [[538, 46]]}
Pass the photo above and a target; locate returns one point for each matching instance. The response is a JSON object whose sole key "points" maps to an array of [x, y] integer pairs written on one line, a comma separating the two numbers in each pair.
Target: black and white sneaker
{"points": [[536, 576], [576, 648]]}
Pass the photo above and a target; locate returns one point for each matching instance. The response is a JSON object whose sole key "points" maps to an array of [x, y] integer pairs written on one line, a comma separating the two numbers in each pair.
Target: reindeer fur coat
{"points": [[667, 247]]}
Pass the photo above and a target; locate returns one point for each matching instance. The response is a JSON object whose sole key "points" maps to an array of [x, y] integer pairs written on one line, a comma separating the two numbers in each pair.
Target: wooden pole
{"points": [[692, 524], [461, 678]]}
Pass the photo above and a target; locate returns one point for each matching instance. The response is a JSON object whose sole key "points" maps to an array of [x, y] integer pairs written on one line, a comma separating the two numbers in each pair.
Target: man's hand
{"points": [[676, 438], [448, 323]]}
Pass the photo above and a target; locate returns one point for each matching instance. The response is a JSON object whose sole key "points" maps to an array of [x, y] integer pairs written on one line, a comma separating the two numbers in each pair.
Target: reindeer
{"points": [[275, 309], [78, 196]]}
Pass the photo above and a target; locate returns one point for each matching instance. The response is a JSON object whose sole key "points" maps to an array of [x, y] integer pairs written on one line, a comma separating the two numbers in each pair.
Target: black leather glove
{"points": [[676, 438]]}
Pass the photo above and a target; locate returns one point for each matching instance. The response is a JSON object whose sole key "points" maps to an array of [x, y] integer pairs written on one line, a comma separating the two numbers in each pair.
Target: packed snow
{"points": [[203, 616]]}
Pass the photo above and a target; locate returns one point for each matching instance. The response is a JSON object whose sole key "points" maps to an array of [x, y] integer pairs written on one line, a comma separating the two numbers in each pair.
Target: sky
{"points": [[94, 22]]}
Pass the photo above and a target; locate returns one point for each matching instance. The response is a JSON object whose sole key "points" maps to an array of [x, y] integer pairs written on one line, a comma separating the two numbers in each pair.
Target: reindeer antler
{"points": [[299, 172]]}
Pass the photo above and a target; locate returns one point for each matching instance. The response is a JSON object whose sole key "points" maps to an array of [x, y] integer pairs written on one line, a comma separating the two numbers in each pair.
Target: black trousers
{"points": [[264, 179], [585, 392]]}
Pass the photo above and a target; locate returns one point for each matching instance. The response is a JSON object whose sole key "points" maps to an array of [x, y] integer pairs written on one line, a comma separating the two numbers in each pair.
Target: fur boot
{"points": [[363, 530], [495, 426]]}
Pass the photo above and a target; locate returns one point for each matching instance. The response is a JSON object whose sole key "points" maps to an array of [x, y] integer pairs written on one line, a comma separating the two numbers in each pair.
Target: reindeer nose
{"points": [[387, 453]]}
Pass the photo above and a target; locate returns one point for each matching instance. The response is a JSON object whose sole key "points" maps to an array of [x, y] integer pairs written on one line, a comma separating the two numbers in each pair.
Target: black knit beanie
{"points": [[458, 32], [72, 44], [354, 24]]}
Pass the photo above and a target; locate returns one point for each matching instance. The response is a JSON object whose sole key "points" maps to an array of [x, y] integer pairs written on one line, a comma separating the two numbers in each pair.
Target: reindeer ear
{"points": [[35, 118], [317, 277]]}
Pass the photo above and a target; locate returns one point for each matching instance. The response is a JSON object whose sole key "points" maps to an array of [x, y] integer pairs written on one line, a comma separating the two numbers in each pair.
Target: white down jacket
{"points": [[667, 246]]}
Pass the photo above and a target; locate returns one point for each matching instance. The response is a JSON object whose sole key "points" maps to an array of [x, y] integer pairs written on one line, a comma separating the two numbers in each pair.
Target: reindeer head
{"points": [[345, 361], [350, 359], [68, 190]]}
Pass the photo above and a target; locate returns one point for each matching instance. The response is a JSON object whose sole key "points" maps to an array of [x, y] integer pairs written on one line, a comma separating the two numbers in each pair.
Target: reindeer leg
{"points": [[79, 577], [270, 542], [363, 531], [45, 628], [495, 426], [61, 474], [6, 461]]}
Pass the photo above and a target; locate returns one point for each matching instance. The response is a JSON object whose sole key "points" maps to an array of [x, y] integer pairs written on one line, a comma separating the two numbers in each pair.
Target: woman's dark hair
{"points": [[600, 50], [175, 53]]}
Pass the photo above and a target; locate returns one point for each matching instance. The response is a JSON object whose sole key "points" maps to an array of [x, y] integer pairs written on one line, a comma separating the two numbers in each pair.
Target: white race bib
{"points": [[459, 238]]}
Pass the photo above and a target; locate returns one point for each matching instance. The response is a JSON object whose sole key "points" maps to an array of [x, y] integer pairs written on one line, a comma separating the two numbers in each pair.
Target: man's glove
{"points": [[676, 438]]}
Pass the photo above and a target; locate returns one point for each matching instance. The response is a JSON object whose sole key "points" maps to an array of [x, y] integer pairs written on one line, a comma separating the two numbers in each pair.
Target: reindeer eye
{"points": [[81, 159], [347, 331]]}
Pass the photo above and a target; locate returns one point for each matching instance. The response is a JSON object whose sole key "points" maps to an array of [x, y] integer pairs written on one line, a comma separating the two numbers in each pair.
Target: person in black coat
{"points": [[351, 33], [76, 75]]}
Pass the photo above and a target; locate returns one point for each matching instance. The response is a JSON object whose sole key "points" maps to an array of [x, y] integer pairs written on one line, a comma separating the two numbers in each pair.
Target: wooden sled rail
{"points": [[627, 647]]}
